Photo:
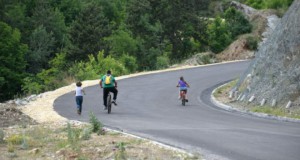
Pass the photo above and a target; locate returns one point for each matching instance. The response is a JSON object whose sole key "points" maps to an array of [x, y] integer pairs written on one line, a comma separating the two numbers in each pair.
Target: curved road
{"points": [[148, 107]]}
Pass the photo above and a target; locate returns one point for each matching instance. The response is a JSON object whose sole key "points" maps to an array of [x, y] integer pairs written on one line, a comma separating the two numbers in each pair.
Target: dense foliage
{"points": [[46, 44]]}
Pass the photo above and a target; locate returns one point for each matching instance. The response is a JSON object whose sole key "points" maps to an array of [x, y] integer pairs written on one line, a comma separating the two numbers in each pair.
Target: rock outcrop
{"points": [[274, 75]]}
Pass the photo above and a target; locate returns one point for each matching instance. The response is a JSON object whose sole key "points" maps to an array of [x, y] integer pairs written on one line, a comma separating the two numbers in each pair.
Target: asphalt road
{"points": [[148, 107]]}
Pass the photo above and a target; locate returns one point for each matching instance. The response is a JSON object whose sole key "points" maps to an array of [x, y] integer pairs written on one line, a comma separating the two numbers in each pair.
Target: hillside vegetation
{"points": [[48, 44], [273, 77]]}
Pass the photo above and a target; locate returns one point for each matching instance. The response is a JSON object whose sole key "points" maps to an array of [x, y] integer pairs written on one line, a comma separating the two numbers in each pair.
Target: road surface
{"points": [[148, 106]]}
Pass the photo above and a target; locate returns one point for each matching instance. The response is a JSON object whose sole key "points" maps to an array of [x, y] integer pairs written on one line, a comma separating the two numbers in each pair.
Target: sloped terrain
{"points": [[274, 75]]}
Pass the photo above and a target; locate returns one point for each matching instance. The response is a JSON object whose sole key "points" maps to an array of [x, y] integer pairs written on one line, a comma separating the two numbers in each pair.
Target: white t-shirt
{"points": [[78, 91]]}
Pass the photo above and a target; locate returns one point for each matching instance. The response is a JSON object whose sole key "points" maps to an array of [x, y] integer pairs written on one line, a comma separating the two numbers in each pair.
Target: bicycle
{"points": [[108, 103], [183, 97]]}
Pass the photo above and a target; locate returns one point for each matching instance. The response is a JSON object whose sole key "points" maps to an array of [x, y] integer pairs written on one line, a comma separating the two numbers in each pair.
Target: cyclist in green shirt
{"points": [[109, 84]]}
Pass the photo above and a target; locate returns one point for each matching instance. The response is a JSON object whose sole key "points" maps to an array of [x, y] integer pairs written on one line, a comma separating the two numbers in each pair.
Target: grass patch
{"points": [[79, 142], [221, 91], [276, 111]]}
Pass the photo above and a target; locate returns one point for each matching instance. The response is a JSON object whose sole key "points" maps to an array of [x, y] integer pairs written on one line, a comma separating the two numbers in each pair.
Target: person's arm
{"points": [[82, 90], [187, 84], [100, 83], [178, 84]]}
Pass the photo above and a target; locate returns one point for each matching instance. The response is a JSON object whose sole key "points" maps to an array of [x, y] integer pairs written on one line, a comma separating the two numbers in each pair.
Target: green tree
{"points": [[70, 9], [53, 21], [53, 77], [120, 42], [88, 31], [40, 49], [219, 35], [12, 64], [237, 22]]}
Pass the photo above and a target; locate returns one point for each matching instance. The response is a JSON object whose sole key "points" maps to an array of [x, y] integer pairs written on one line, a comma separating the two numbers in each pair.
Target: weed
{"points": [[12, 155], [86, 134], [10, 147], [225, 88], [274, 111], [73, 136], [2, 135], [82, 158], [15, 139], [24, 144], [120, 154], [97, 126]]}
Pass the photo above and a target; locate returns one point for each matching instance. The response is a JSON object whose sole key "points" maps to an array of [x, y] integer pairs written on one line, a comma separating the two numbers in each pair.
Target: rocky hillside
{"points": [[263, 22], [274, 75]]}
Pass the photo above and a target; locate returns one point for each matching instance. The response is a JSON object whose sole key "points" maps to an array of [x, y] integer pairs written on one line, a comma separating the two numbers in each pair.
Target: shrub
{"points": [[97, 126], [237, 22], [32, 85], [1, 136], [252, 42], [120, 154], [86, 134], [73, 136], [15, 139], [129, 62], [219, 35], [162, 62]]}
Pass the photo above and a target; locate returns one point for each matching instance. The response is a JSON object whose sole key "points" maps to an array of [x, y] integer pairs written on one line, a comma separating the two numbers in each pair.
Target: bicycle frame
{"points": [[182, 95]]}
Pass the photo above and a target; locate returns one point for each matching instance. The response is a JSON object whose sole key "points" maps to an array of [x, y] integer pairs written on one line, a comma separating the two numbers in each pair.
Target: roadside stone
{"points": [[263, 101], [34, 151], [288, 105], [273, 103]]}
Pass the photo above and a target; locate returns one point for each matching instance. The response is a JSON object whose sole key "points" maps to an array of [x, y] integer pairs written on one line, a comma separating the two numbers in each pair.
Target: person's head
{"points": [[78, 84], [181, 78], [108, 72]]}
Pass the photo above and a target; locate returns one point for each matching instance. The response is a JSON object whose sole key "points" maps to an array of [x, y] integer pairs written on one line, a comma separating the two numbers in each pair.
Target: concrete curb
{"points": [[261, 115]]}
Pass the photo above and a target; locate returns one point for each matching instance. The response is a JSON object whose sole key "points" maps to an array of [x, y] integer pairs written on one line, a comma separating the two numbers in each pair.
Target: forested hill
{"points": [[47, 44]]}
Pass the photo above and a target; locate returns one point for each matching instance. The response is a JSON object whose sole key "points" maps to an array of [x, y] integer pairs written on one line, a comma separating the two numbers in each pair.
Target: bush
{"points": [[86, 134], [129, 62], [162, 62], [219, 35], [237, 22], [32, 85], [73, 136], [252, 42], [1, 136], [97, 126], [15, 139]]}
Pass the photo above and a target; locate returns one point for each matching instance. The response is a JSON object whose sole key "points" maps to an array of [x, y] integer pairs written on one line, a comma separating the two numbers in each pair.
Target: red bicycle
{"points": [[183, 97]]}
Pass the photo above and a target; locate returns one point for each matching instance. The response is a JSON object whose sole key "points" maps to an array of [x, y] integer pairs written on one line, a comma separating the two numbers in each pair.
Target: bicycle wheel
{"points": [[183, 99], [108, 103]]}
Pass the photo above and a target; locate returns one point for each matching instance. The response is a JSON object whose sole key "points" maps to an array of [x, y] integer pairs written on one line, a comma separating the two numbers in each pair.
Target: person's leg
{"points": [[77, 104], [105, 93], [80, 103], [115, 92], [185, 91]]}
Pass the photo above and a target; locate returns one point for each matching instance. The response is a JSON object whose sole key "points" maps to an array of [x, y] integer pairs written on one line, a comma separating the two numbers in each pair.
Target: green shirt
{"points": [[108, 85]]}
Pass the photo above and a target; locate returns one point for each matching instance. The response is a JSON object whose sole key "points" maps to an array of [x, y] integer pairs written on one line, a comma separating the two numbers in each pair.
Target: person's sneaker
{"points": [[105, 108], [186, 100], [114, 102], [78, 112]]}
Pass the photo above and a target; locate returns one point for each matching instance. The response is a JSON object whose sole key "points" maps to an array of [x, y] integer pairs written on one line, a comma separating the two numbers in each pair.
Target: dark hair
{"points": [[108, 72], [181, 78], [78, 84]]}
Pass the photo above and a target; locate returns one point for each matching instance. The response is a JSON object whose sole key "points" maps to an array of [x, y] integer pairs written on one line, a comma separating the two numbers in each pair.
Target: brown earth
{"points": [[10, 115]]}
